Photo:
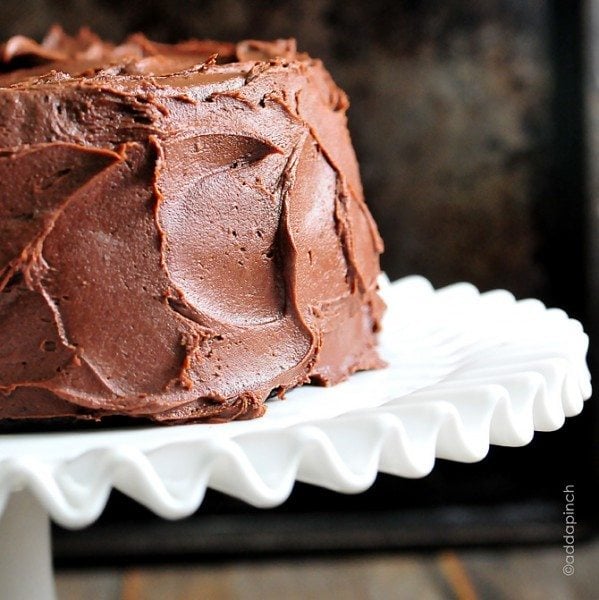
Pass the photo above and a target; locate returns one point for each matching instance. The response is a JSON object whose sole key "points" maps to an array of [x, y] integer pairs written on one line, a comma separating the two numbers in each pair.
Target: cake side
{"points": [[177, 244]]}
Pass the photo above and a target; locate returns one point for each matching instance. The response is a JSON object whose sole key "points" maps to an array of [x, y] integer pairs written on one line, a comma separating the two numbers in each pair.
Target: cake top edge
{"points": [[25, 61]]}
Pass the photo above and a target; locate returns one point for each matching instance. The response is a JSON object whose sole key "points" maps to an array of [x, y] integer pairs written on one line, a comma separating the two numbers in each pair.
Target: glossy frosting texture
{"points": [[182, 229]]}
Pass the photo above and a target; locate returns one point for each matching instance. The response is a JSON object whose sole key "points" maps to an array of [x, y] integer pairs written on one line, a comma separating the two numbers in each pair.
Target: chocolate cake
{"points": [[182, 229]]}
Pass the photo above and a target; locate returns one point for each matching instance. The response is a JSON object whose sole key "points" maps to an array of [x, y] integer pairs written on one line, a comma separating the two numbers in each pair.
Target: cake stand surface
{"points": [[465, 370]]}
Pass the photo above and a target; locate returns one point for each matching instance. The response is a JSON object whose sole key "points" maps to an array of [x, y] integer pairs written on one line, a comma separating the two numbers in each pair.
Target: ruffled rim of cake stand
{"points": [[466, 370]]}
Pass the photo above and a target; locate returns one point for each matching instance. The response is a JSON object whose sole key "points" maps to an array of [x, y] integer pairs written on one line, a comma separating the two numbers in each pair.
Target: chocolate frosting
{"points": [[182, 229]]}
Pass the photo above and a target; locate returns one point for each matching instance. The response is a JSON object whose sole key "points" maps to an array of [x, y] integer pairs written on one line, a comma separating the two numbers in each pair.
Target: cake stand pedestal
{"points": [[466, 370], [26, 559]]}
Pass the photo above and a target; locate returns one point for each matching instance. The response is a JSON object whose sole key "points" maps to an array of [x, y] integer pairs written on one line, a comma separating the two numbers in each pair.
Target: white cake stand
{"points": [[465, 370]]}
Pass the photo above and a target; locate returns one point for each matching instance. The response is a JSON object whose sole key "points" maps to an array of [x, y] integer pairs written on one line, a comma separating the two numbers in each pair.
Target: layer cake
{"points": [[183, 231]]}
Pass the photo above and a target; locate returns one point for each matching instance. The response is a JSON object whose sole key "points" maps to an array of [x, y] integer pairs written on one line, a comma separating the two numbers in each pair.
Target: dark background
{"points": [[475, 142]]}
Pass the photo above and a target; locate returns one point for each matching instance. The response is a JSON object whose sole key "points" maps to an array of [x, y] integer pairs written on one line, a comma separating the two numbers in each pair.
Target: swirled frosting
{"points": [[182, 229]]}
